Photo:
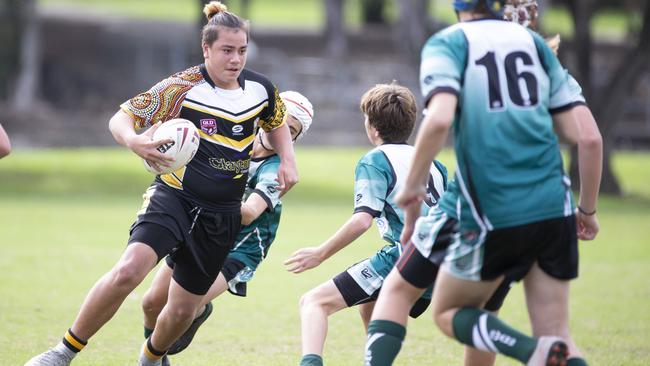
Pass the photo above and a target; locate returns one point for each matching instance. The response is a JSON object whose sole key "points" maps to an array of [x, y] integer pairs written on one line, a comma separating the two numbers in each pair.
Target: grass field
{"points": [[64, 218]]}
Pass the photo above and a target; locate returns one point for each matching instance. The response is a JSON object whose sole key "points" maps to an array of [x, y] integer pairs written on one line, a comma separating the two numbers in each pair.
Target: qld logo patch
{"points": [[209, 126]]}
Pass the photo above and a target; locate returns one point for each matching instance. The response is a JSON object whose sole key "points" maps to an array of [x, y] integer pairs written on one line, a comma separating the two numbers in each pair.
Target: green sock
{"points": [[484, 331], [311, 360], [576, 361], [147, 332], [384, 342]]}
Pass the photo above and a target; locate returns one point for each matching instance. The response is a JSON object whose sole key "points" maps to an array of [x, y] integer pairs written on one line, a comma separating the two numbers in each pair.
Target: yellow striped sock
{"points": [[74, 343]]}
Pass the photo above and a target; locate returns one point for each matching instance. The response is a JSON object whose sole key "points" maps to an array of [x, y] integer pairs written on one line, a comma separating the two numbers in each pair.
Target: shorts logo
{"points": [[359, 197], [237, 130], [428, 80], [366, 273], [271, 189], [209, 126]]}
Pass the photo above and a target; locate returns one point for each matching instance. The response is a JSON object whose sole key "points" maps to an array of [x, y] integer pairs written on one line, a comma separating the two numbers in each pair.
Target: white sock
{"points": [[62, 348], [146, 361]]}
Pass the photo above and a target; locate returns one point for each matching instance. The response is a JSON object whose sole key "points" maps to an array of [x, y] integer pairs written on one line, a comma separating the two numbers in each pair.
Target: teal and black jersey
{"points": [[380, 175], [509, 164], [253, 242]]}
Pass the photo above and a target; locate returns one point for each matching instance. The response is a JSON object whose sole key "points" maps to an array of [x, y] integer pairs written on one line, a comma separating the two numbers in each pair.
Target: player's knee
{"points": [[181, 313], [438, 317], [126, 276], [151, 305], [305, 300], [311, 300], [317, 300]]}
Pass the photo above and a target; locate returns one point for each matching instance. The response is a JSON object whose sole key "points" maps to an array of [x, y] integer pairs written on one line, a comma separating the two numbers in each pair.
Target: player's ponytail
{"points": [[219, 16]]}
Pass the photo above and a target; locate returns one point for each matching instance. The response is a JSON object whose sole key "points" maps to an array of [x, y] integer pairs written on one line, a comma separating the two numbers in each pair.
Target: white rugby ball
{"points": [[186, 140]]}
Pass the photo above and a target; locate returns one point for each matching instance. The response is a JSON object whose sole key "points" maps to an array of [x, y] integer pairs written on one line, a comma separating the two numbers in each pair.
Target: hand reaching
{"points": [[303, 259]]}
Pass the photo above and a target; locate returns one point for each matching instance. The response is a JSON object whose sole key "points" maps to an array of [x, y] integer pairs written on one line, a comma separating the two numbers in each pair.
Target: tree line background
{"points": [[409, 22]]}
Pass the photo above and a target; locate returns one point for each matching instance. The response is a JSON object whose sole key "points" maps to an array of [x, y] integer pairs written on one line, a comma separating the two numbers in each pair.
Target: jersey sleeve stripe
{"points": [[368, 210], [266, 199], [440, 89], [566, 107]]}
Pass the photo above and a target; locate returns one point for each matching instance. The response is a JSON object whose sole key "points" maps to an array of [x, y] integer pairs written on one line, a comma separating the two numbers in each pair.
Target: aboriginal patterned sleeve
{"points": [[163, 101], [274, 115]]}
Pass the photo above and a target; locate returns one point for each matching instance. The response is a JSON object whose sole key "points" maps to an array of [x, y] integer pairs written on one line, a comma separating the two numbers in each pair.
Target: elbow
{"points": [[591, 141], [112, 124], [364, 222], [5, 150], [246, 220], [247, 215]]}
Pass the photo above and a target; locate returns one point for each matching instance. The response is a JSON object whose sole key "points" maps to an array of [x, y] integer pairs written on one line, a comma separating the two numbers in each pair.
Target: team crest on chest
{"points": [[209, 126]]}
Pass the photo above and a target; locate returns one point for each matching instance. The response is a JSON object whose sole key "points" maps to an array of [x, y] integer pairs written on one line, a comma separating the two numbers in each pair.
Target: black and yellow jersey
{"points": [[226, 119]]}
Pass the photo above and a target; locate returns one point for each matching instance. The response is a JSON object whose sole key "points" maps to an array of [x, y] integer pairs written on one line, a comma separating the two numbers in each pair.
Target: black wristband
{"points": [[582, 211]]}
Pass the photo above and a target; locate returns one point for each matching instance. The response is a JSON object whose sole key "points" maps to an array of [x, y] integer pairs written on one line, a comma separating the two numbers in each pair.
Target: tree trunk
{"points": [[337, 43], [412, 27], [372, 11], [10, 28], [604, 103], [30, 59]]}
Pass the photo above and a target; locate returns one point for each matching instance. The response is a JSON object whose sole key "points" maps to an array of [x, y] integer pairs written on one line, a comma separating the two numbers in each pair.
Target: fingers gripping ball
{"points": [[186, 140]]}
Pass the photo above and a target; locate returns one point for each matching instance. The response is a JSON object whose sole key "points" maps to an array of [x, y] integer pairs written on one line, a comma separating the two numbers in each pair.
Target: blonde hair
{"points": [[391, 110], [218, 16]]}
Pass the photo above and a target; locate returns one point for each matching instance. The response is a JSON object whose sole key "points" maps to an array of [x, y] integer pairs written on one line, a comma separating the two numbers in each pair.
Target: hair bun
{"points": [[213, 8]]}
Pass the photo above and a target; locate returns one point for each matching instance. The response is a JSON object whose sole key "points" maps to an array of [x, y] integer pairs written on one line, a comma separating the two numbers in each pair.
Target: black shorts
{"points": [[421, 272], [230, 269], [197, 240], [353, 294], [553, 244]]}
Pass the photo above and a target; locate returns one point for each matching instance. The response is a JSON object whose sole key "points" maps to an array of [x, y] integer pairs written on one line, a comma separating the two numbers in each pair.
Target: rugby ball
{"points": [[185, 142]]}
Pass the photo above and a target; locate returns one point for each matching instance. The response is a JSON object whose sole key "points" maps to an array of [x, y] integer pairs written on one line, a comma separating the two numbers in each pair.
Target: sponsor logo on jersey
{"points": [[236, 166], [428, 80], [237, 130], [209, 126]]}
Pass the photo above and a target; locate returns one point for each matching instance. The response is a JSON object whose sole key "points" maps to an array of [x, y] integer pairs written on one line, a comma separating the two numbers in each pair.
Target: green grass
{"points": [[64, 218]]}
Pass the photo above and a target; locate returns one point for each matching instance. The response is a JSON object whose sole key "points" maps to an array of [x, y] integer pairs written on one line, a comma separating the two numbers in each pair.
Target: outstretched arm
{"points": [[280, 140], [310, 257]]}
